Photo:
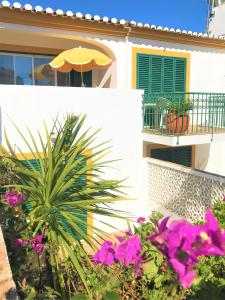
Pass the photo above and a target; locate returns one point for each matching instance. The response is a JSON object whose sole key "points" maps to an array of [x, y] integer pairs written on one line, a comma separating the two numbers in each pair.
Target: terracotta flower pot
{"points": [[176, 124]]}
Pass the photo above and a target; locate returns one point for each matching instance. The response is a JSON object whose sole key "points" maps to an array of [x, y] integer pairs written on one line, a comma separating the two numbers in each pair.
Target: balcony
{"points": [[183, 118]]}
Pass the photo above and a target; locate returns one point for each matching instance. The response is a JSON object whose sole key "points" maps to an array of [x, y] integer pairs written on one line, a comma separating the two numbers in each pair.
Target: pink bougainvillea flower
{"points": [[36, 243], [211, 239], [128, 233], [20, 243], [182, 243], [186, 273], [175, 243], [105, 255], [128, 252], [141, 219], [13, 198]]}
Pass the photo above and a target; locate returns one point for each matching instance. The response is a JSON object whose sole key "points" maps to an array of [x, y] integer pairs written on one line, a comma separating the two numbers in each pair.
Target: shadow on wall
{"points": [[202, 156]]}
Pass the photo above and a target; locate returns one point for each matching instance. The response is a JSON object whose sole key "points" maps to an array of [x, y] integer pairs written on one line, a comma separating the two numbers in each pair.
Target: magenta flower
{"points": [[20, 243], [186, 273], [128, 233], [36, 243], [182, 243], [13, 198], [141, 219], [211, 240], [224, 198], [128, 252], [105, 255]]}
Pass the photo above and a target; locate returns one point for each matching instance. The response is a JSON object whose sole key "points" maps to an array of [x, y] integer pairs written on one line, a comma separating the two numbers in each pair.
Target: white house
{"points": [[163, 65]]}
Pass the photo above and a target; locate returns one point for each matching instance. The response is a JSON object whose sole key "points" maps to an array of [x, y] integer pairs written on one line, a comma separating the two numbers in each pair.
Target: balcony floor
{"points": [[192, 130], [193, 135]]}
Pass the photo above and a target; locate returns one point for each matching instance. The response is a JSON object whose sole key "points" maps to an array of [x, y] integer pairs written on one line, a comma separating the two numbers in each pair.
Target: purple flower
{"points": [[13, 198], [186, 273], [182, 243], [105, 255], [211, 240], [224, 198], [36, 243], [20, 243], [128, 233], [141, 219], [175, 242], [128, 252]]}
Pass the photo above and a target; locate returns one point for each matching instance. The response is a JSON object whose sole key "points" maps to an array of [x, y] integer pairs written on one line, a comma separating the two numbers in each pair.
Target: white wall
{"points": [[217, 21], [116, 111]]}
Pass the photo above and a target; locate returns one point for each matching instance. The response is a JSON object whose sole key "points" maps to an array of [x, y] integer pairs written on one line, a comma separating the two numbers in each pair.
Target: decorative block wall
{"points": [[182, 190], [7, 285]]}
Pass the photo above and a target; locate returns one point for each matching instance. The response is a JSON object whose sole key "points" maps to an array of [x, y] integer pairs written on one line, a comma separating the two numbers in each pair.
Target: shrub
{"points": [[59, 194]]}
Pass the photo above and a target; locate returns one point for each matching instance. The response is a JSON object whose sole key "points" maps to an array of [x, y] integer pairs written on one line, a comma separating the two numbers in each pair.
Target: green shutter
{"points": [[34, 162], [180, 75], [161, 74], [78, 184], [168, 75], [177, 155], [156, 74], [143, 72]]}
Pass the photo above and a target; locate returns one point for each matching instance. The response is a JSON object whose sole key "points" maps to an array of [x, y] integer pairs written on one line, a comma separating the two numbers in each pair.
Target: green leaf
{"points": [[111, 296], [79, 297], [150, 269], [32, 295]]}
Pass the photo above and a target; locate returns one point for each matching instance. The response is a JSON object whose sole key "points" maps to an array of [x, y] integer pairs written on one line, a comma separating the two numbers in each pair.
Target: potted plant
{"points": [[177, 115]]}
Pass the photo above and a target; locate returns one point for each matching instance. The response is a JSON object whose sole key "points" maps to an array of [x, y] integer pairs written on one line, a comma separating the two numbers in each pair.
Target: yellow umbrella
{"points": [[80, 60]]}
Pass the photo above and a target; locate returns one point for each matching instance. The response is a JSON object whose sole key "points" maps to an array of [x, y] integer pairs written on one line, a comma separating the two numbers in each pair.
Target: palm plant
{"points": [[61, 189]]}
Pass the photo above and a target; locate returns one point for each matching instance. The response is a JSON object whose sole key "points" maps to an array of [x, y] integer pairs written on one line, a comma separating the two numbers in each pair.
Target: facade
{"points": [[151, 67], [216, 17]]}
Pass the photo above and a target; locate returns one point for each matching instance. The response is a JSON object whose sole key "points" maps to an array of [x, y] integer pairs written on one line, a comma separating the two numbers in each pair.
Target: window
{"points": [[33, 69], [161, 74], [177, 155], [23, 70], [74, 79], [6, 69], [43, 73]]}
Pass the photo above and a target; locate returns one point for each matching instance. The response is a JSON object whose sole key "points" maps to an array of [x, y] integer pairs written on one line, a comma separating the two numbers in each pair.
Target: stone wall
{"points": [[181, 190], [7, 286]]}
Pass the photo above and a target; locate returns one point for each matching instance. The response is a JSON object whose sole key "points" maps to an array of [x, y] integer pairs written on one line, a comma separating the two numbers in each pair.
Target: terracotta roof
{"points": [[96, 18]]}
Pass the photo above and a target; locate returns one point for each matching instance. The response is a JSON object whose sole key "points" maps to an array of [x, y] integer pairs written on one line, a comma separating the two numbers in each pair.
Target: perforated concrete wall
{"points": [[181, 190]]}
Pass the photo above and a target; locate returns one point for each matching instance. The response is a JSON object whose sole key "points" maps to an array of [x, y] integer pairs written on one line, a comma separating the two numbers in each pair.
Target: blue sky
{"points": [[183, 14]]}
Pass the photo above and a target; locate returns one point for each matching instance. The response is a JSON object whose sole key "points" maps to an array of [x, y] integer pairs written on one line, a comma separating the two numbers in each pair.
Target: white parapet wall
{"points": [[117, 112], [181, 190]]}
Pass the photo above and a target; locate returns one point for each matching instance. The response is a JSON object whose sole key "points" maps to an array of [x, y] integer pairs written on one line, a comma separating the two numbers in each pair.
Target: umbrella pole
{"points": [[82, 79]]}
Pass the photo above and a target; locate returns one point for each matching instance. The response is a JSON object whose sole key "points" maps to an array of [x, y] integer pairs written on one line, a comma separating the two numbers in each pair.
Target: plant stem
{"points": [[40, 273]]}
